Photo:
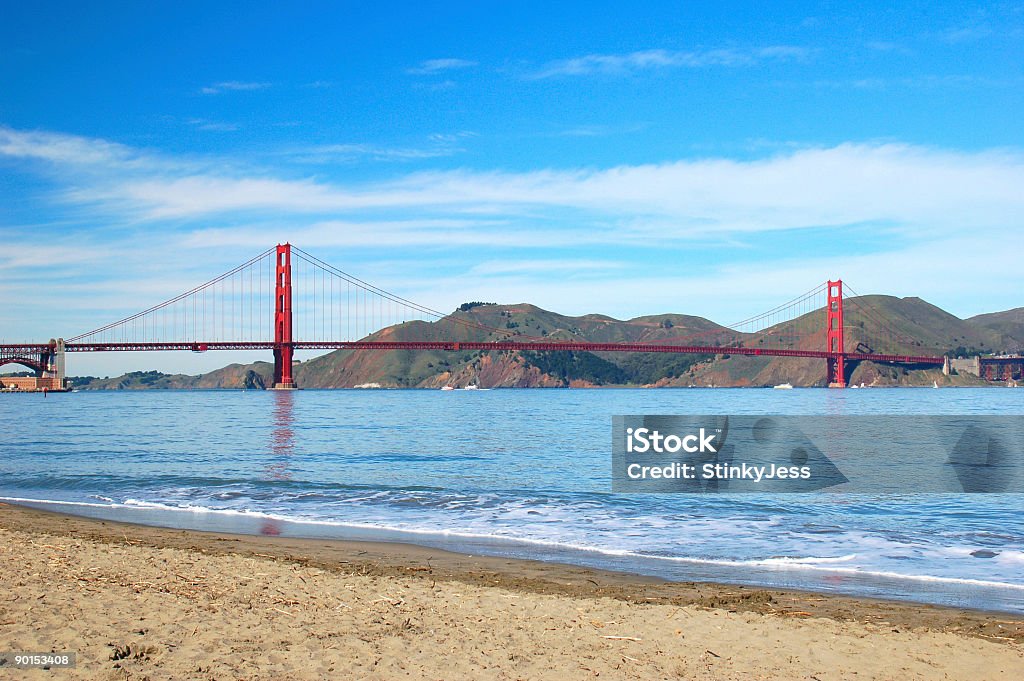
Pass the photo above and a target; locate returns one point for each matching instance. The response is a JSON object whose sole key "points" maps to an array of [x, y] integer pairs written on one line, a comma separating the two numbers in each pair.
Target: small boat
{"points": [[447, 387], [935, 384], [784, 386]]}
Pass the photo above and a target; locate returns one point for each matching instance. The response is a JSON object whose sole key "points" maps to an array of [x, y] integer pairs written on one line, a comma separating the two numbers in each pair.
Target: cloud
{"points": [[451, 137], [597, 130], [370, 233], [967, 33], [101, 160], [618, 64], [432, 66], [995, 22], [436, 86], [562, 267], [907, 186], [887, 47], [439, 145], [63, 149], [214, 126], [233, 86], [326, 153], [920, 82]]}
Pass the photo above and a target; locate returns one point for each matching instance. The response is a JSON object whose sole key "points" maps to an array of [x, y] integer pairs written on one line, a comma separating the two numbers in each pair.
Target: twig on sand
{"points": [[622, 638]]}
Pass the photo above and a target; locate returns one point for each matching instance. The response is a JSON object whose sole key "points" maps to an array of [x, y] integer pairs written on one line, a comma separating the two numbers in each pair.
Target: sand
{"points": [[147, 603]]}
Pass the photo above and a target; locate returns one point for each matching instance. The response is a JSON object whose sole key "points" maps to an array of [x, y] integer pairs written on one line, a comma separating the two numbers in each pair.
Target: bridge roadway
{"points": [[7, 351]]}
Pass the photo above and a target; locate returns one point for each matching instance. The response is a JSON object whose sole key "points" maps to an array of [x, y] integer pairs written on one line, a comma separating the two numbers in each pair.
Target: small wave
{"points": [[826, 564], [810, 560]]}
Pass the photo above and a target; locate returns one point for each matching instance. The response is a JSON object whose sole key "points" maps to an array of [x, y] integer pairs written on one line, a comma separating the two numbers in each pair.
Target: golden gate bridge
{"points": [[286, 299]]}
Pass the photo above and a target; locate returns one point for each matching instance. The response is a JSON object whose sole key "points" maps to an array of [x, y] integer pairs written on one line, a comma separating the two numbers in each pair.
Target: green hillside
{"points": [[875, 324], [1008, 326]]}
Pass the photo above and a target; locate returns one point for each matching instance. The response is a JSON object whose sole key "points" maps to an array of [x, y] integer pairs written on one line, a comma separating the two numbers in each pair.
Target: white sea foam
{"points": [[819, 564]]}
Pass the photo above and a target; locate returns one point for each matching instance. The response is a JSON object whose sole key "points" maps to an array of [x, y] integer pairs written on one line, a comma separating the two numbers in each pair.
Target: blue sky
{"points": [[706, 158]]}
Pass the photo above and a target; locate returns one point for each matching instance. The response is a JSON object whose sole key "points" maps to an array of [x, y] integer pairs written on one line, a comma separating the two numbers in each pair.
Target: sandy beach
{"points": [[147, 603]]}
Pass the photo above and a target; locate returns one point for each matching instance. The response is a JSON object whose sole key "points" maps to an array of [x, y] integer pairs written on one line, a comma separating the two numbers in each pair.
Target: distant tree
{"points": [[466, 307], [961, 351]]}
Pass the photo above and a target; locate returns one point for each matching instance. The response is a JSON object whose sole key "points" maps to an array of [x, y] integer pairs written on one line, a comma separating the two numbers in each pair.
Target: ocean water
{"points": [[521, 473]]}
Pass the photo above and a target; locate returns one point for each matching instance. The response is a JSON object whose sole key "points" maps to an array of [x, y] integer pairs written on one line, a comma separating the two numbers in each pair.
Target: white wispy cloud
{"points": [[451, 137], [233, 86], [333, 153], [432, 66], [908, 186], [545, 266], [213, 126], [996, 21], [383, 233], [436, 86], [64, 149], [893, 184], [596, 130], [924, 81], [436, 145], [887, 46], [641, 60]]}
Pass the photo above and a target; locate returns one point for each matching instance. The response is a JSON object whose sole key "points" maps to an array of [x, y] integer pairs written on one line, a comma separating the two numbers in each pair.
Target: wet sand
{"points": [[138, 602]]}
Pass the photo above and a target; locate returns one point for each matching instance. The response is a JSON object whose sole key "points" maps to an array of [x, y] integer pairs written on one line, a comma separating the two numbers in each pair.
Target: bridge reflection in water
{"points": [[281, 449]]}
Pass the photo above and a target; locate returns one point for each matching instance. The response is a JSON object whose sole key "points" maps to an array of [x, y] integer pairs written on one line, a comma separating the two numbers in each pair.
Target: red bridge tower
{"points": [[283, 346], [834, 335]]}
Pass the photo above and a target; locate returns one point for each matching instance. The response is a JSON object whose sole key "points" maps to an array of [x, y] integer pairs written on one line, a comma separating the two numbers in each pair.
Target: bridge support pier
{"points": [[52, 366], [836, 371], [284, 348], [283, 369]]}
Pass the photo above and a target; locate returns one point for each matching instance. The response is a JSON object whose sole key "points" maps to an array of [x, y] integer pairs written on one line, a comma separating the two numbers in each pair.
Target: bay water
{"points": [[521, 473]]}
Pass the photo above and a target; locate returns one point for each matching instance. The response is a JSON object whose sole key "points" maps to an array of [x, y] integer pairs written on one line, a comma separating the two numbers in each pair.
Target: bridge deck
{"points": [[535, 346]]}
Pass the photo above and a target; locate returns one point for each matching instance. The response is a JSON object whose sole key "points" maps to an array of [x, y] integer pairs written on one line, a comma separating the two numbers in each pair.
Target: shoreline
{"points": [[942, 592], [138, 602], [400, 559]]}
